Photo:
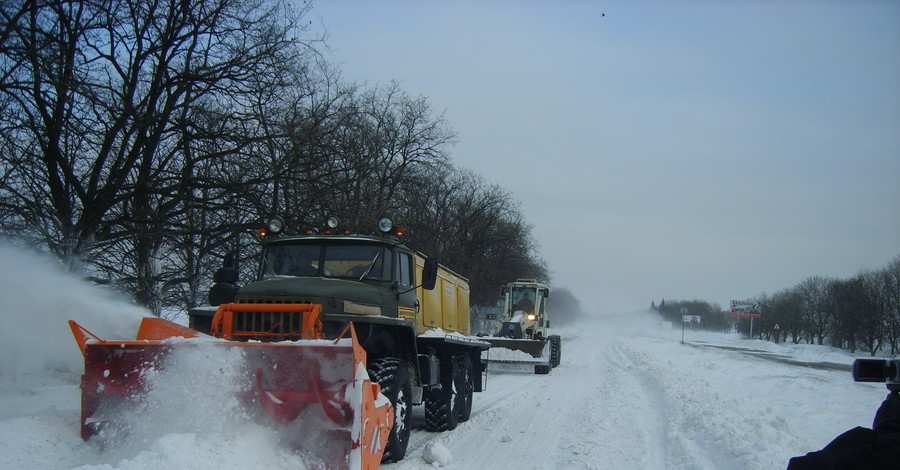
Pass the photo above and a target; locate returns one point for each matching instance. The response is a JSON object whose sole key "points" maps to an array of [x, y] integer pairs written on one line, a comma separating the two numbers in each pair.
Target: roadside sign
{"points": [[687, 319], [745, 308]]}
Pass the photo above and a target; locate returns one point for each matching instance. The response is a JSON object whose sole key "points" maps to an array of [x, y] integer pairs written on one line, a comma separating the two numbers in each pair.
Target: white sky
{"points": [[679, 150]]}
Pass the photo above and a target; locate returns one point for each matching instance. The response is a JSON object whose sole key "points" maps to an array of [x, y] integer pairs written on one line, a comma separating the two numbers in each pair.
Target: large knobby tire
{"points": [[555, 350], [465, 386], [441, 405], [393, 377]]}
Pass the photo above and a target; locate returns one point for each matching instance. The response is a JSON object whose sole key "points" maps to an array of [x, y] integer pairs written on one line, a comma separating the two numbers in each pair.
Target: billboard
{"points": [[745, 308]]}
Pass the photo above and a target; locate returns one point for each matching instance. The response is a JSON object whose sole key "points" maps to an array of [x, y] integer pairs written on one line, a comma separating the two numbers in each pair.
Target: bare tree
{"points": [[142, 142], [787, 306], [388, 138], [890, 277], [816, 312], [112, 107], [857, 315]]}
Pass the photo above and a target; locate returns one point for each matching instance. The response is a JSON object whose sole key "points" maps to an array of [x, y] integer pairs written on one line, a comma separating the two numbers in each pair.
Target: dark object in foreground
{"points": [[863, 448], [878, 370]]}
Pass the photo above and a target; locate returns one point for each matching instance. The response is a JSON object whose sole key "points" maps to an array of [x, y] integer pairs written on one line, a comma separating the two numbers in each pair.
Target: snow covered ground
{"points": [[628, 394]]}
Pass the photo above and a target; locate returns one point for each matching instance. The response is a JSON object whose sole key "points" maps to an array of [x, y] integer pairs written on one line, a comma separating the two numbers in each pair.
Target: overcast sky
{"points": [[678, 149]]}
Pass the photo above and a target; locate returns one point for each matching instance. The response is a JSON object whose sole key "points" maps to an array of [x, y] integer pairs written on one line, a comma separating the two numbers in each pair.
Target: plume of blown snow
{"points": [[39, 298]]}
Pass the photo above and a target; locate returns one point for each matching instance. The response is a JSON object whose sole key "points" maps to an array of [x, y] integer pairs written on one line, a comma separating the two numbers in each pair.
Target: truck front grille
{"points": [[272, 325], [255, 321]]}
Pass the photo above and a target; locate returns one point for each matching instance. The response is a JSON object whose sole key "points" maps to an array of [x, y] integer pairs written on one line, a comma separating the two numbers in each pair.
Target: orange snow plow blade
{"points": [[323, 380]]}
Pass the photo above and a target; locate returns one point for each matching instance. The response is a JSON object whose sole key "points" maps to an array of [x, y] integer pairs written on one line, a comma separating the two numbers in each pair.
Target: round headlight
{"points": [[276, 224], [332, 222], [385, 225]]}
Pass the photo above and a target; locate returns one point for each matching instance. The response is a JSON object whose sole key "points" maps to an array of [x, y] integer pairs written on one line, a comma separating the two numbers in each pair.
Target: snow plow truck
{"points": [[524, 328], [348, 328]]}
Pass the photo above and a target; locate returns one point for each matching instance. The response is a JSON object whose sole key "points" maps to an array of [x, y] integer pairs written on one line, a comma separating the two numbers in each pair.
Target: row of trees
{"points": [[859, 313], [711, 314], [140, 142]]}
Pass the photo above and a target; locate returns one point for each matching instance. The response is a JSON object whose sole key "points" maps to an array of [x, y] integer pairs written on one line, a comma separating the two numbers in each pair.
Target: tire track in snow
{"points": [[707, 430], [675, 434], [499, 423], [595, 411], [614, 402], [635, 417]]}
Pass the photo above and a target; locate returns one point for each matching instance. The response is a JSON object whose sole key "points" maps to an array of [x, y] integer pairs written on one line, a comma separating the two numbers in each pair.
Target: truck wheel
{"points": [[555, 350], [393, 377], [466, 386], [441, 405]]}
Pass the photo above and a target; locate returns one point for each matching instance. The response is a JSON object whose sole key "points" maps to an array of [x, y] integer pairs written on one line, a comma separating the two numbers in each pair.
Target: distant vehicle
{"points": [[525, 324]]}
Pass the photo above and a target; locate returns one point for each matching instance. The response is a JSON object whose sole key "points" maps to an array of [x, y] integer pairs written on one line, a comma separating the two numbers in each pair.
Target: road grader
{"points": [[524, 328]]}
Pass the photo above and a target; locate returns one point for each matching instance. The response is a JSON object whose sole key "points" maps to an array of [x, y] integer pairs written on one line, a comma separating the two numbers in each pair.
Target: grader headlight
{"points": [[532, 317]]}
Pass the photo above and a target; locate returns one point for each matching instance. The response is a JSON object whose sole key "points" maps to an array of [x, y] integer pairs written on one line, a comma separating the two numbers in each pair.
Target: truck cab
{"points": [[410, 315], [356, 275]]}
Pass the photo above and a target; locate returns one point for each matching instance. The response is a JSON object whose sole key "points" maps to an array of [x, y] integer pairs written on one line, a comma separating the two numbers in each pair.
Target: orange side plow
{"points": [[322, 381]]}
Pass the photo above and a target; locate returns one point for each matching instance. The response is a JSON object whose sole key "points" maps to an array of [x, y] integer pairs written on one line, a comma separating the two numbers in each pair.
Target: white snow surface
{"points": [[437, 454], [628, 395]]}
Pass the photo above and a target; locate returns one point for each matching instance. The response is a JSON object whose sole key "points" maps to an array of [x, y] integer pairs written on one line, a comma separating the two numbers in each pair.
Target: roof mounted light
{"points": [[332, 222], [275, 225], [385, 225]]}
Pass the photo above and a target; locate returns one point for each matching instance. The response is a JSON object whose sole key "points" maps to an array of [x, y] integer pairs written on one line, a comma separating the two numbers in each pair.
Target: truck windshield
{"points": [[348, 261], [523, 299]]}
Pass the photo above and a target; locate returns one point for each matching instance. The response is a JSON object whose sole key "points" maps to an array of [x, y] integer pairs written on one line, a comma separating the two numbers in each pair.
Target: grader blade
{"points": [[313, 390], [519, 351], [531, 347]]}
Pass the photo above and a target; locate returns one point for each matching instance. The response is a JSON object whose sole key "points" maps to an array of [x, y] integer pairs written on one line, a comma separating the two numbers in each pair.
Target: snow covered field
{"points": [[628, 395]]}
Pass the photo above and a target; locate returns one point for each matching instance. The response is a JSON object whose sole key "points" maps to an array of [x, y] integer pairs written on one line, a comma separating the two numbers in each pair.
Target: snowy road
{"points": [[628, 395]]}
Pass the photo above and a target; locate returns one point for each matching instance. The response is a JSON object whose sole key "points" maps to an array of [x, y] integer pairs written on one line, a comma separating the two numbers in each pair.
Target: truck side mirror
{"points": [[429, 274], [225, 274], [228, 272], [222, 293], [225, 288]]}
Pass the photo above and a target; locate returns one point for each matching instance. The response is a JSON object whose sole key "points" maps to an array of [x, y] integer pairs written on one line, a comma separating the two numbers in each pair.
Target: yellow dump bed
{"points": [[446, 306]]}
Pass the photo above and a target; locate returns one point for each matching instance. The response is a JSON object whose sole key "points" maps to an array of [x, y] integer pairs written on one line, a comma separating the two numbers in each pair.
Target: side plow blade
{"points": [[313, 390]]}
